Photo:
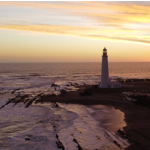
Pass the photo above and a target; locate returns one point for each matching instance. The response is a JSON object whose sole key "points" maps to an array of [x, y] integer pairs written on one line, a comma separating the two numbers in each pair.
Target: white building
{"points": [[105, 81], [104, 70]]}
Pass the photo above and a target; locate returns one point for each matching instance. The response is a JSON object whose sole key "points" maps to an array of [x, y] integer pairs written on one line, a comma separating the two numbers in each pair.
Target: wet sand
{"points": [[110, 119]]}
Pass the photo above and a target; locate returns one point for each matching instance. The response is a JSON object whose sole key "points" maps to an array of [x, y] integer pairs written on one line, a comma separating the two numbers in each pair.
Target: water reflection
{"points": [[109, 118]]}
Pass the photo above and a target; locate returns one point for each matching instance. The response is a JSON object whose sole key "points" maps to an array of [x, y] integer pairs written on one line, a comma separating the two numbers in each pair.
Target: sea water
{"points": [[35, 128]]}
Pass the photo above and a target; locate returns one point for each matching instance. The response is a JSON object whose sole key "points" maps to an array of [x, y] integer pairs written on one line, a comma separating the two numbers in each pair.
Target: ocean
{"points": [[37, 77], [36, 127]]}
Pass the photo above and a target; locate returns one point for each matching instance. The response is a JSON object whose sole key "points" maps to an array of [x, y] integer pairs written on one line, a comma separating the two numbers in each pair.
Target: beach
{"points": [[137, 117], [135, 129]]}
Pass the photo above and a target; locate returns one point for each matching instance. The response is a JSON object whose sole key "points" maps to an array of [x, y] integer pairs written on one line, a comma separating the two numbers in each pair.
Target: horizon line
{"points": [[83, 62]]}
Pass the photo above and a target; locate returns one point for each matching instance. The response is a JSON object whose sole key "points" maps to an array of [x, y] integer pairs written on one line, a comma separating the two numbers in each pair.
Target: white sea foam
{"points": [[86, 130], [40, 123]]}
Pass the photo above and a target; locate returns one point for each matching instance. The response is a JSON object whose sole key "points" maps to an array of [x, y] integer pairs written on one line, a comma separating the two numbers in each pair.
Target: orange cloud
{"points": [[76, 30], [114, 20]]}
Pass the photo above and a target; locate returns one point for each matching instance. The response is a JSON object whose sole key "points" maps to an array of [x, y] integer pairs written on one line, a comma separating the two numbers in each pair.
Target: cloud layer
{"points": [[129, 21]]}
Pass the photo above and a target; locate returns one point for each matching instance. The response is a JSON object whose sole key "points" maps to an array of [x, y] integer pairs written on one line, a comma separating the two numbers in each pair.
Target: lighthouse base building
{"points": [[111, 84], [105, 81]]}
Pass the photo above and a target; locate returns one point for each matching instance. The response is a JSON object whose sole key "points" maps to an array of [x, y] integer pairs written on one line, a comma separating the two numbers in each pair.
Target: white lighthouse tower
{"points": [[105, 82], [104, 71]]}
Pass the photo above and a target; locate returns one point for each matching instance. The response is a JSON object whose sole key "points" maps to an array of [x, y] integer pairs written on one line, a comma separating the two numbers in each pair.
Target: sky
{"points": [[74, 31]]}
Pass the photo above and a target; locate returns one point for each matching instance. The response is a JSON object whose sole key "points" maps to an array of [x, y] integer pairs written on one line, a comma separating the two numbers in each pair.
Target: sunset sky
{"points": [[74, 31]]}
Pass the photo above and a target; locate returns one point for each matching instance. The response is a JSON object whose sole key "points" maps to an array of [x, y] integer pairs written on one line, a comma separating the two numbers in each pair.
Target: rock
{"points": [[27, 139], [60, 145]]}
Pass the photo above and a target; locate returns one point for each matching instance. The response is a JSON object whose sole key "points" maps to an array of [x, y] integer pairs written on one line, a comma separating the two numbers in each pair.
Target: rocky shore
{"points": [[137, 116]]}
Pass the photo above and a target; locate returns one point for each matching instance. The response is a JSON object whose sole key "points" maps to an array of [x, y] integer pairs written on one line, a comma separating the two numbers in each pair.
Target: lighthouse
{"points": [[105, 82], [104, 71]]}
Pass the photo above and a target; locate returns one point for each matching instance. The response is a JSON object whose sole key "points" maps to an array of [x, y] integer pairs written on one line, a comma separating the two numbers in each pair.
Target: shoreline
{"points": [[137, 117]]}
